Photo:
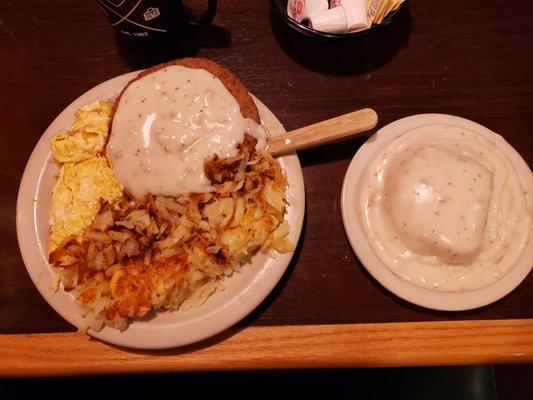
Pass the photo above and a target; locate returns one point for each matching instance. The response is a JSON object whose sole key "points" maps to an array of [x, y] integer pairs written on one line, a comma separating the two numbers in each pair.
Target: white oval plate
{"points": [[243, 291], [445, 301]]}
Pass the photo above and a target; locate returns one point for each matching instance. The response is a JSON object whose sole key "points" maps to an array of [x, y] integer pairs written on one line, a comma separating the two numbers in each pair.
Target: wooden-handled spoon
{"points": [[334, 129]]}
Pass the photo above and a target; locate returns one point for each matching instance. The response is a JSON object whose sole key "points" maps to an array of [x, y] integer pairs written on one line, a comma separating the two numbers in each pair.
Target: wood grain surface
{"points": [[255, 348], [470, 58]]}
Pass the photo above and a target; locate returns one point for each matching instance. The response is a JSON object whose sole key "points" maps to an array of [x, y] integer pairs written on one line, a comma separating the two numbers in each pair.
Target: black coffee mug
{"points": [[149, 18]]}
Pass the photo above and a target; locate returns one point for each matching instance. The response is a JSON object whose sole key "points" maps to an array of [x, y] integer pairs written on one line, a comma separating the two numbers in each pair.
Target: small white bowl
{"points": [[445, 301]]}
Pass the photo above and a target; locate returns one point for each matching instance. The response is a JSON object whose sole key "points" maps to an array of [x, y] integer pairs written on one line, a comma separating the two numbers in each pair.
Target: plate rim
{"points": [[233, 311], [427, 298]]}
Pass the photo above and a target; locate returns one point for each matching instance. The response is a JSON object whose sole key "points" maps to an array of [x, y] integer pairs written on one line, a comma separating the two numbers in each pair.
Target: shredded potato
{"points": [[167, 253]]}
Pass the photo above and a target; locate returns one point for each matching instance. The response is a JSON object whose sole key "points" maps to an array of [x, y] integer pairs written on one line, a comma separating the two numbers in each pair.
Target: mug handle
{"points": [[208, 16]]}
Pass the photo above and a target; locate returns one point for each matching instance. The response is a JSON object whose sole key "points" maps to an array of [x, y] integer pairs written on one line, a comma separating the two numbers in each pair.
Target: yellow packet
{"points": [[372, 7], [386, 9], [397, 5], [382, 6]]}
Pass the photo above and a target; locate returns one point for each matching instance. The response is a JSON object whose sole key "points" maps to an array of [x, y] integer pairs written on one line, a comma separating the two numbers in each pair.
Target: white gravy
{"points": [[443, 208], [167, 123]]}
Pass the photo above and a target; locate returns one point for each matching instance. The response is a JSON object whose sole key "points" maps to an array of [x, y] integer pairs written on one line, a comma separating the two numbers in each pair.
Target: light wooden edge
{"points": [[270, 347], [338, 128]]}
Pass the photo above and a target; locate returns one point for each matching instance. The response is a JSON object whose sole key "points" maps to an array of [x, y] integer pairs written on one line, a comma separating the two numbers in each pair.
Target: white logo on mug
{"points": [[151, 13]]}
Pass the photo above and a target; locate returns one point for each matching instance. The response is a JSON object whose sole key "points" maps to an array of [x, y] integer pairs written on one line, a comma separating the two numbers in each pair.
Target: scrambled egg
{"points": [[87, 136], [85, 176]]}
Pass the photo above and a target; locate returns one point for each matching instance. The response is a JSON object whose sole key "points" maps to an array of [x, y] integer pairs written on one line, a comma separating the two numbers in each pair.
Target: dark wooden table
{"points": [[470, 58]]}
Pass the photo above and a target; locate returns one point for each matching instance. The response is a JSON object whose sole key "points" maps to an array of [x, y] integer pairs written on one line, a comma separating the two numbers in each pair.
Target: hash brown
{"points": [[171, 253]]}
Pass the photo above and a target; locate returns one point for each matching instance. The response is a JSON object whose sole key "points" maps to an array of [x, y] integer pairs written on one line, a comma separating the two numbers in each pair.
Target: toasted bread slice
{"points": [[230, 81]]}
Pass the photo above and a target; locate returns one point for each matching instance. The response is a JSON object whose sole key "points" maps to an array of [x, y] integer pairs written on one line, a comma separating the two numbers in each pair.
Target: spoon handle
{"points": [[334, 129]]}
